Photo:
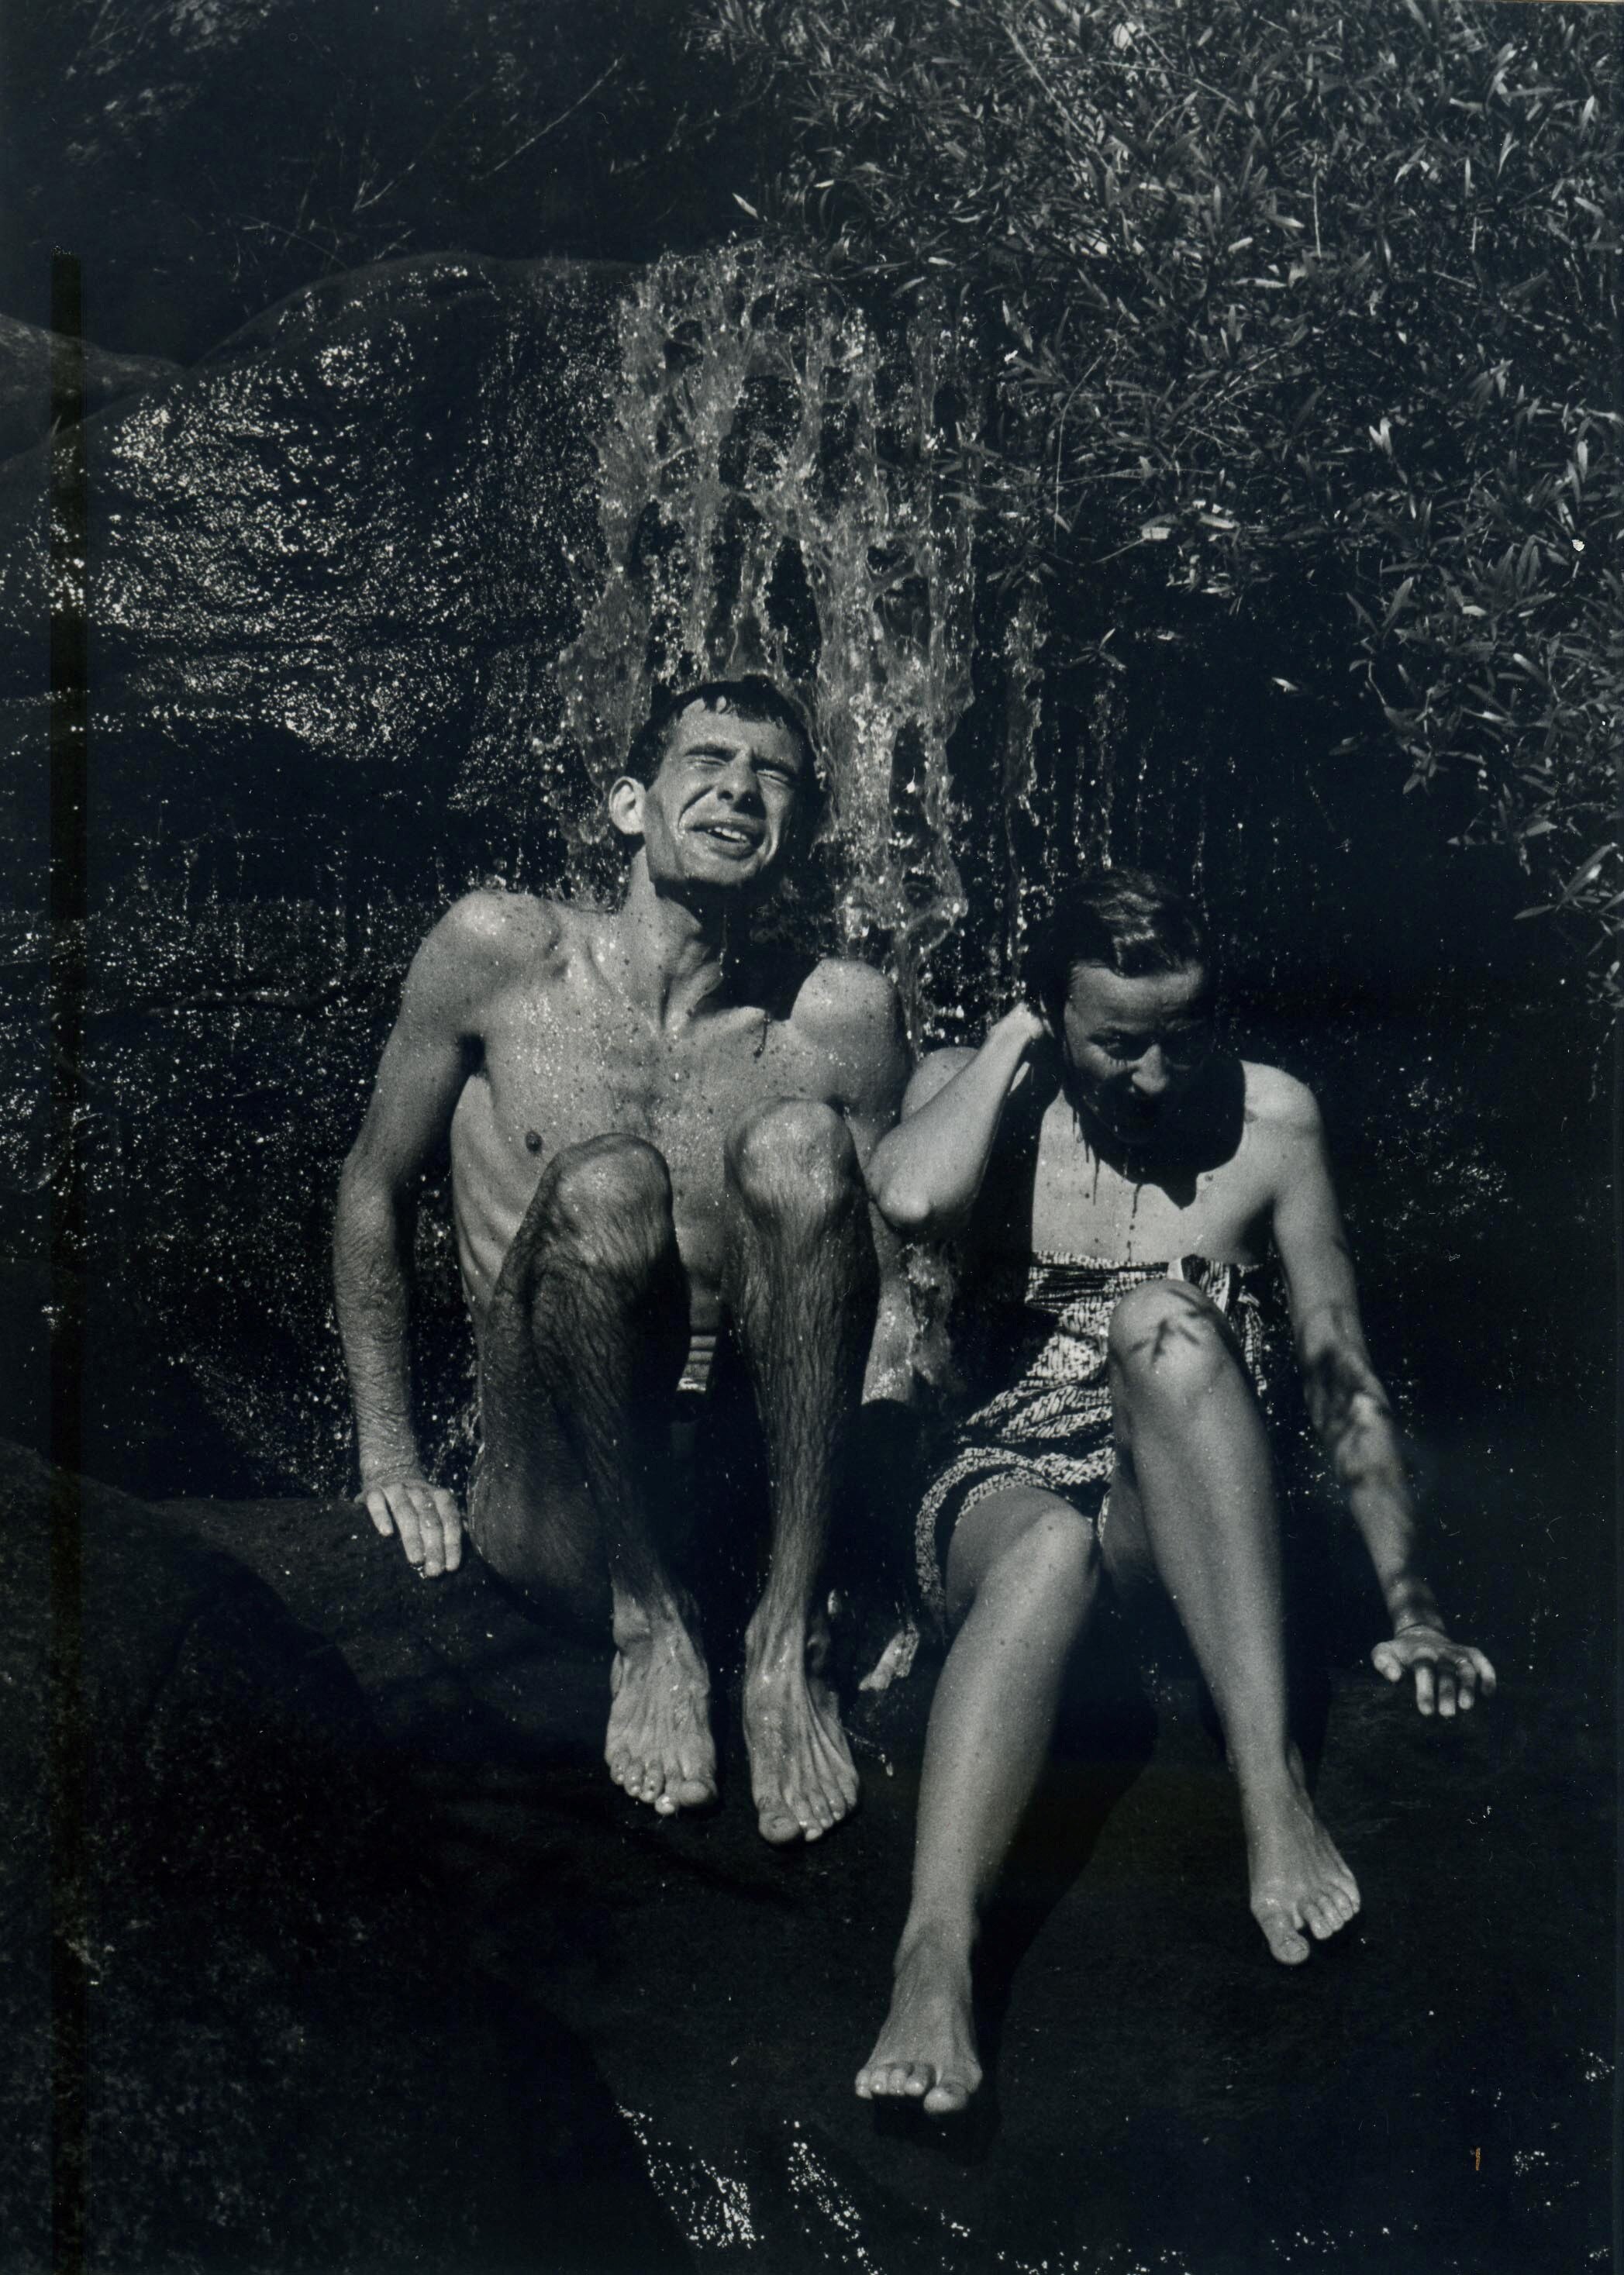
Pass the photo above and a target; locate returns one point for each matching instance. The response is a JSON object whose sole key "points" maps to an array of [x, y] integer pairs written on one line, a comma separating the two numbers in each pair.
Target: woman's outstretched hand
{"points": [[1448, 1674]]}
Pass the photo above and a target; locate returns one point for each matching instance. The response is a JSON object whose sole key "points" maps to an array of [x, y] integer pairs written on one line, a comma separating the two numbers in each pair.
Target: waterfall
{"points": [[776, 495]]}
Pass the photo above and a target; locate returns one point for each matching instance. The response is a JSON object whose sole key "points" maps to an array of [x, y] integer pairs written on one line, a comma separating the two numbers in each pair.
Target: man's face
{"points": [[723, 803], [1135, 1045]]}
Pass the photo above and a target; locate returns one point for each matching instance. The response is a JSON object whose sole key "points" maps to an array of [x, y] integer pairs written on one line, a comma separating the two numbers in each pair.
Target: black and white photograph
{"points": [[810, 1079]]}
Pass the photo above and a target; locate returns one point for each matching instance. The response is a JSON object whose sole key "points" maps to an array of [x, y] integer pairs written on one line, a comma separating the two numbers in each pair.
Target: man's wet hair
{"points": [[1129, 920], [754, 698]]}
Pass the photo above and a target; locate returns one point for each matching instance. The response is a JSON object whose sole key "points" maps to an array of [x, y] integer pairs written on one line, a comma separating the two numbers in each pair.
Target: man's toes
{"points": [[949, 2095], [842, 1789], [693, 1792], [775, 1823]]}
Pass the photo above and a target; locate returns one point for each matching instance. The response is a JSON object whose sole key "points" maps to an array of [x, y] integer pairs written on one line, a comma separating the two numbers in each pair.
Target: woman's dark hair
{"points": [[1127, 920], [753, 697]]}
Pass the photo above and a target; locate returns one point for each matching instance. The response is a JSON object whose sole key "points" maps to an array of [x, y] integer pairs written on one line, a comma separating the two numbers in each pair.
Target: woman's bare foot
{"points": [[659, 1746], [926, 2050], [1298, 1877], [801, 1772]]}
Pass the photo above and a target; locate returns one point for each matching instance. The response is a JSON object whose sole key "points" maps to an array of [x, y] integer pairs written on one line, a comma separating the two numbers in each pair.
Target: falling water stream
{"points": [[774, 498]]}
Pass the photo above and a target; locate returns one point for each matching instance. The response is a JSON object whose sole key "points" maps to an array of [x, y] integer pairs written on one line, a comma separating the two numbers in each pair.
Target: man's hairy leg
{"points": [[802, 1285], [585, 1343], [1195, 1487]]}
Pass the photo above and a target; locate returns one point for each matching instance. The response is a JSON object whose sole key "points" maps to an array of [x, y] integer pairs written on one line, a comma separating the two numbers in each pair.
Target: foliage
{"points": [[1306, 308]]}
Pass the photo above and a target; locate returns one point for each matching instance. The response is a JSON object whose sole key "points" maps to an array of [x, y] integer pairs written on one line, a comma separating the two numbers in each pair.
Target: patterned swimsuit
{"points": [[1048, 1424]]}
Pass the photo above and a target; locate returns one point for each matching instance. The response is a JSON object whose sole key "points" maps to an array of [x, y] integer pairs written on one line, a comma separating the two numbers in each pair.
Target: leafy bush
{"points": [[1307, 309]]}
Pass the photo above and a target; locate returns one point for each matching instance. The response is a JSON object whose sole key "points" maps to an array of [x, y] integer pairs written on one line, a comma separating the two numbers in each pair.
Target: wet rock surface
{"points": [[1431, 2093], [25, 381], [293, 2062], [312, 560]]}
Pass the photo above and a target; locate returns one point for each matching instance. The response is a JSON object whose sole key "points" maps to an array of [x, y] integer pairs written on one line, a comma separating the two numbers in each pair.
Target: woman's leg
{"points": [[1022, 1572], [1193, 1500]]}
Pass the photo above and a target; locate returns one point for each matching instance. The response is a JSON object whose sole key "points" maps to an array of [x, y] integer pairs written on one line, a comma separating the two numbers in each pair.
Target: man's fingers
{"points": [[376, 1504], [1487, 1676], [1424, 1695], [431, 1531], [408, 1523], [450, 1527], [426, 1519], [1386, 1661]]}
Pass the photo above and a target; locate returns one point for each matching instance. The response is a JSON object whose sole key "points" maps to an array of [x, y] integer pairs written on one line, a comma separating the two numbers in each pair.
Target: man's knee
{"points": [[795, 1155], [1168, 1343], [608, 1199]]}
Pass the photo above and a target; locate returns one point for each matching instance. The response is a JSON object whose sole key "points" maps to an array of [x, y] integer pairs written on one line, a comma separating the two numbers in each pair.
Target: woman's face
{"points": [[1132, 1046]]}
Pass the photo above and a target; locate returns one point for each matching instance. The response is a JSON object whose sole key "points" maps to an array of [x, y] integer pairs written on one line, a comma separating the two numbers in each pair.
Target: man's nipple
{"points": [[532, 1141]]}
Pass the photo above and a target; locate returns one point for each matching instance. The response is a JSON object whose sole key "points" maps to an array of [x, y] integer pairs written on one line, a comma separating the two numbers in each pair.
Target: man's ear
{"points": [[625, 805]]}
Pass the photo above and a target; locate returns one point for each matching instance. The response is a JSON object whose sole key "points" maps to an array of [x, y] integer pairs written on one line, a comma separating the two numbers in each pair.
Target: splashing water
{"points": [[774, 498]]}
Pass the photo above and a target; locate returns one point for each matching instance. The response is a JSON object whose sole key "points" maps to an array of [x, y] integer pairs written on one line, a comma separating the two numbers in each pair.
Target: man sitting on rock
{"points": [[644, 1155]]}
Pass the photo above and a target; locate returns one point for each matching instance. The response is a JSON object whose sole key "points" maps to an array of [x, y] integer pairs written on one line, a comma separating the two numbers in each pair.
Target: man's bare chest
{"points": [[578, 1072]]}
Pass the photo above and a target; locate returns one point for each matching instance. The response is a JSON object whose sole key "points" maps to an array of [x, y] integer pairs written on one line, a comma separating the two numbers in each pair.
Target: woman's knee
{"points": [[1168, 1344], [1052, 1561]]}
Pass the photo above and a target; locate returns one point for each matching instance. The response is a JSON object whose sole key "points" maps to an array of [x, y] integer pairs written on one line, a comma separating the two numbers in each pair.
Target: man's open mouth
{"points": [[729, 834]]}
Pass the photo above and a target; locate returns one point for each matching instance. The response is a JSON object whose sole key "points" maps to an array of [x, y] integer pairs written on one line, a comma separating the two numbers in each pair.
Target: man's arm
{"points": [[926, 1175], [1352, 1416], [424, 1064]]}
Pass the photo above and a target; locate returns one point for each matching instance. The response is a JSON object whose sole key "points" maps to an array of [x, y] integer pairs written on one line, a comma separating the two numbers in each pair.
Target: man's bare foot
{"points": [[926, 2050], [801, 1772], [659, 1745], [1298, 1877]]}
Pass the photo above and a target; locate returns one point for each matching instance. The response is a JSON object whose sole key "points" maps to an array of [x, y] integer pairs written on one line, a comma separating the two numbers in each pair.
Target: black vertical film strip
{"points": [[68, 1741]]}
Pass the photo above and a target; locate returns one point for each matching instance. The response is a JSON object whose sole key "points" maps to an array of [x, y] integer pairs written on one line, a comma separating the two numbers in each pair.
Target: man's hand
{"points": [[426, 1517], [1447, 1673]]}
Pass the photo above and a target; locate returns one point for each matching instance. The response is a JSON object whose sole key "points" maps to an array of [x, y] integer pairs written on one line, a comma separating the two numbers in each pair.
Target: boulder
{"points": [[291, 2064], [326, 563]]}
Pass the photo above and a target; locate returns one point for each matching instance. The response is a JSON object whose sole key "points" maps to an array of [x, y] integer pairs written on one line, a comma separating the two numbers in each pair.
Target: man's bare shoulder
{"points": [[1280, 1107], [492, 922], [490, 939], [845, 1004], [851, 1013]]}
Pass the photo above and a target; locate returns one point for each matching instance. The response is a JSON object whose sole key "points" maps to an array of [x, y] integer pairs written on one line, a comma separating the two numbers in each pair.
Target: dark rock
{"points": [[326, 565], [291, 2064], [201, 161], [25, 381]]}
